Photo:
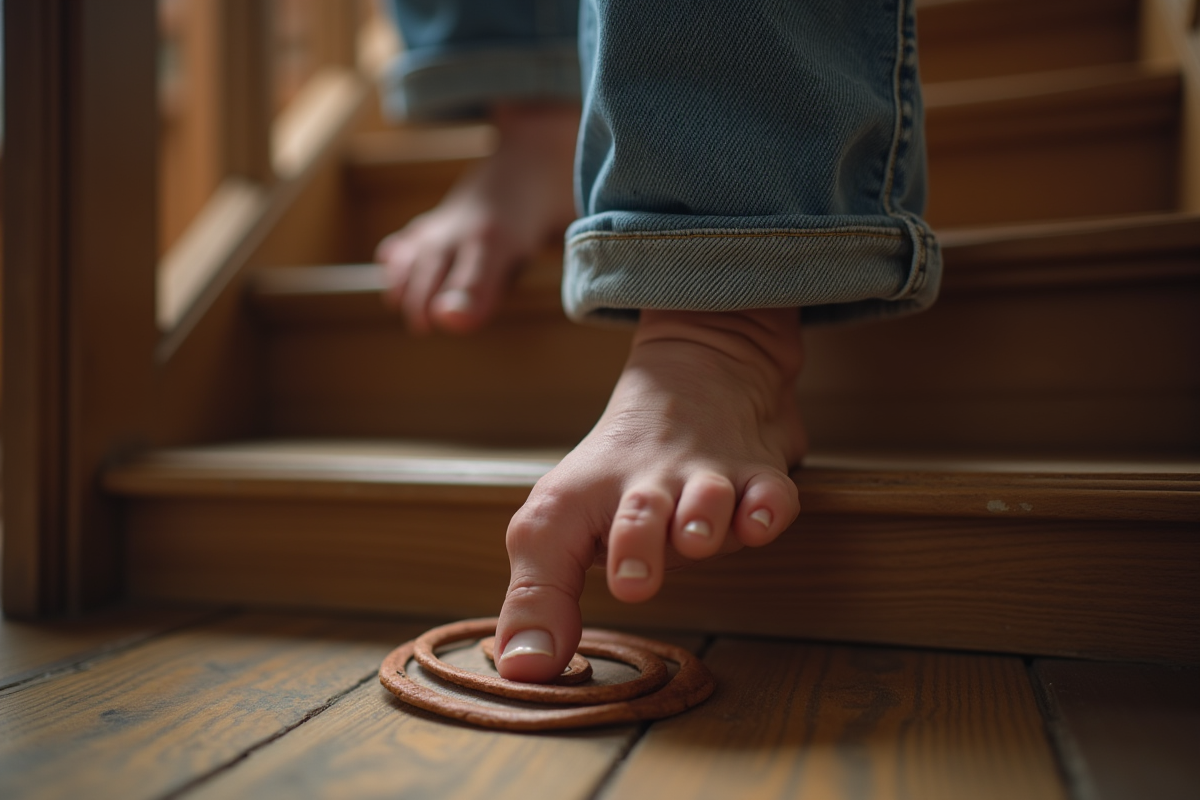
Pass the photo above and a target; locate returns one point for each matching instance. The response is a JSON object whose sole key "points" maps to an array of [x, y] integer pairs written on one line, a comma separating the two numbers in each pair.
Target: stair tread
{"points": [[923, 485], [1057, 103], [1059, 253]]}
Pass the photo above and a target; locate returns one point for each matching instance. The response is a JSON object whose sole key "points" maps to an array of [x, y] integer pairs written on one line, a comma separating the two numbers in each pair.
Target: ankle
{"points": [[764, 342]]}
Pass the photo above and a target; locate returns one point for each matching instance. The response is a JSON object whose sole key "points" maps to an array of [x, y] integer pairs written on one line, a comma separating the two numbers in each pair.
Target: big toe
{"points": [[540, 625]]}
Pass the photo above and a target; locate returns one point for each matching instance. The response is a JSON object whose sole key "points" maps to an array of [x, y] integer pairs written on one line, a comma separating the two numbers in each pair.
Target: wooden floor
{"points": [[218, 703]]}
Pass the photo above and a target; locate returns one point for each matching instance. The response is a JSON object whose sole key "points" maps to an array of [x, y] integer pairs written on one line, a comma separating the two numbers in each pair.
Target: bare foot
{"points": [[449, 267], [690, 459]]}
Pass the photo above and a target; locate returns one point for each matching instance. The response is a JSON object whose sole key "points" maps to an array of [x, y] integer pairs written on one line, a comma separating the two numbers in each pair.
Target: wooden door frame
{"points": [[79, 260]]}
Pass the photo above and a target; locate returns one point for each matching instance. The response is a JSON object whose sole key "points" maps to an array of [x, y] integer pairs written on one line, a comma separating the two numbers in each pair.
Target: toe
{"points": [[395, 254], [636, 542], [471, 291], [702, 515], [769, 505], [539, 628], [424, 279]]}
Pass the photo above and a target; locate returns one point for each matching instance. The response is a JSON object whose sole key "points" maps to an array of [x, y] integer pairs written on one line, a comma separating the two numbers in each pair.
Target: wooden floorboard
{"points": [[163, 715], [792, 720], [29, 649], [371, 745], [1126, 731]]}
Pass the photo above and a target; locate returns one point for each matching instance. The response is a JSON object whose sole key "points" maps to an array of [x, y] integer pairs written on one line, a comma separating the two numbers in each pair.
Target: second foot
{"points": [[689, 460], [449, 268]]}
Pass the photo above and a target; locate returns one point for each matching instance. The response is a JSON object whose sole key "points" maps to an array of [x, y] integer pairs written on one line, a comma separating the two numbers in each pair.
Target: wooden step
{"points": [[1075, 335], [964, 39], [1073, 143], [1092, 557]]}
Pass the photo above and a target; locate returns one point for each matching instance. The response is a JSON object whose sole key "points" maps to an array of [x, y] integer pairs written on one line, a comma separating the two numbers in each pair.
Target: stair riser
{"points": [[961, 41], [1103, 590], [538, 382], [1054, 179], [1096, 368]]}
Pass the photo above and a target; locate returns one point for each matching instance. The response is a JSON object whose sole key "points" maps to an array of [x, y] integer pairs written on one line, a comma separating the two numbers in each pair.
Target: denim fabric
{"points": [[461, 55], [747, 155]]}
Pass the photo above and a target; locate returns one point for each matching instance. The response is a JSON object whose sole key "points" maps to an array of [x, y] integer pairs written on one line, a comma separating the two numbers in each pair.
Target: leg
{"points": [[516, 62], [735, 165]]}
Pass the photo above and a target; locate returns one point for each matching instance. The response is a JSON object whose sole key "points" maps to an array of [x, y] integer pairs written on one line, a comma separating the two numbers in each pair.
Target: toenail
{"points": [[533, 642], [763, 516], [454, 300], [698, 528], [633, 568]]}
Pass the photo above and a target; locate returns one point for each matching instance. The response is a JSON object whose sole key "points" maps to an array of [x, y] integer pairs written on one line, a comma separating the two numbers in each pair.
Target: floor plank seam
{"points": [[82, 662], [220, 769], [1067, 759], [602, 784]]}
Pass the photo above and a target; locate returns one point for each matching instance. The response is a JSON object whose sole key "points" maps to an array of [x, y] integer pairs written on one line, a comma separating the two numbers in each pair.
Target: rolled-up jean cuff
{"points": [[464, 82], [839, 272]]}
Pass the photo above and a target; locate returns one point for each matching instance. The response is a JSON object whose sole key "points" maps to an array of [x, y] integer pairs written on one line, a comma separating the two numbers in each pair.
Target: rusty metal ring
{"points": [[578, 670], [653, 672], [691, 685]]}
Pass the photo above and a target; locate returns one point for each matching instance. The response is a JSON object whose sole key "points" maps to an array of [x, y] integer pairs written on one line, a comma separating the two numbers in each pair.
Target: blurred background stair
{"points": [[1017, 469]]}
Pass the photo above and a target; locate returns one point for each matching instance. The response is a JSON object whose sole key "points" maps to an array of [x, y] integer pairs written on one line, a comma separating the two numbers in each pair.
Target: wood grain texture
{"points": [[28, 649], [154, 719], [370, 745], [961, 486], [976, 561], [806, 721], [1126, 731]]}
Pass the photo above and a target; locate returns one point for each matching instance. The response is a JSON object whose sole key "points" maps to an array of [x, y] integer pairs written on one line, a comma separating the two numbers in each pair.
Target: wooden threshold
{"points": [[1100, 559]]}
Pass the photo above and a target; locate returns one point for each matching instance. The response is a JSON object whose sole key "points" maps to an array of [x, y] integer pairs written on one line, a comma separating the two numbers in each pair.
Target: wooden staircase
{"points": [[1016, 470]]}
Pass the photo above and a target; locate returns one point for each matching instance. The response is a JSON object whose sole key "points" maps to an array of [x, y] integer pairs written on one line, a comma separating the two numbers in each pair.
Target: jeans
{"points": [[731, 155]]}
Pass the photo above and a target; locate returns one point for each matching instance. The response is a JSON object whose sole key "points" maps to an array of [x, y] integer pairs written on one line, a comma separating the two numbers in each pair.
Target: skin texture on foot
{"points": [[689, 460], [449, 267]]}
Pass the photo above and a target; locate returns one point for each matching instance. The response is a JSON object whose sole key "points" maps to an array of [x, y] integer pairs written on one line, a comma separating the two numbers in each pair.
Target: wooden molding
{"points": [[34, 267], [983, 487], [80, 296]]}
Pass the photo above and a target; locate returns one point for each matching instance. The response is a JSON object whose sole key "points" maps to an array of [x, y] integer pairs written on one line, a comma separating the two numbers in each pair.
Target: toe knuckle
{"points": [[644, 505]]}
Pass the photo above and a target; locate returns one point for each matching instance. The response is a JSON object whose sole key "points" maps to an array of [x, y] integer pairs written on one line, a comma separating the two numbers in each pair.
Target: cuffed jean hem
{"points": [[837, 269], [464, 82]]}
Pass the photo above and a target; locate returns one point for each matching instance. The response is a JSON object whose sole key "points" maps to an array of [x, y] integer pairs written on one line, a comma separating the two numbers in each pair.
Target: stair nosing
{"points": [[827, 485]]}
